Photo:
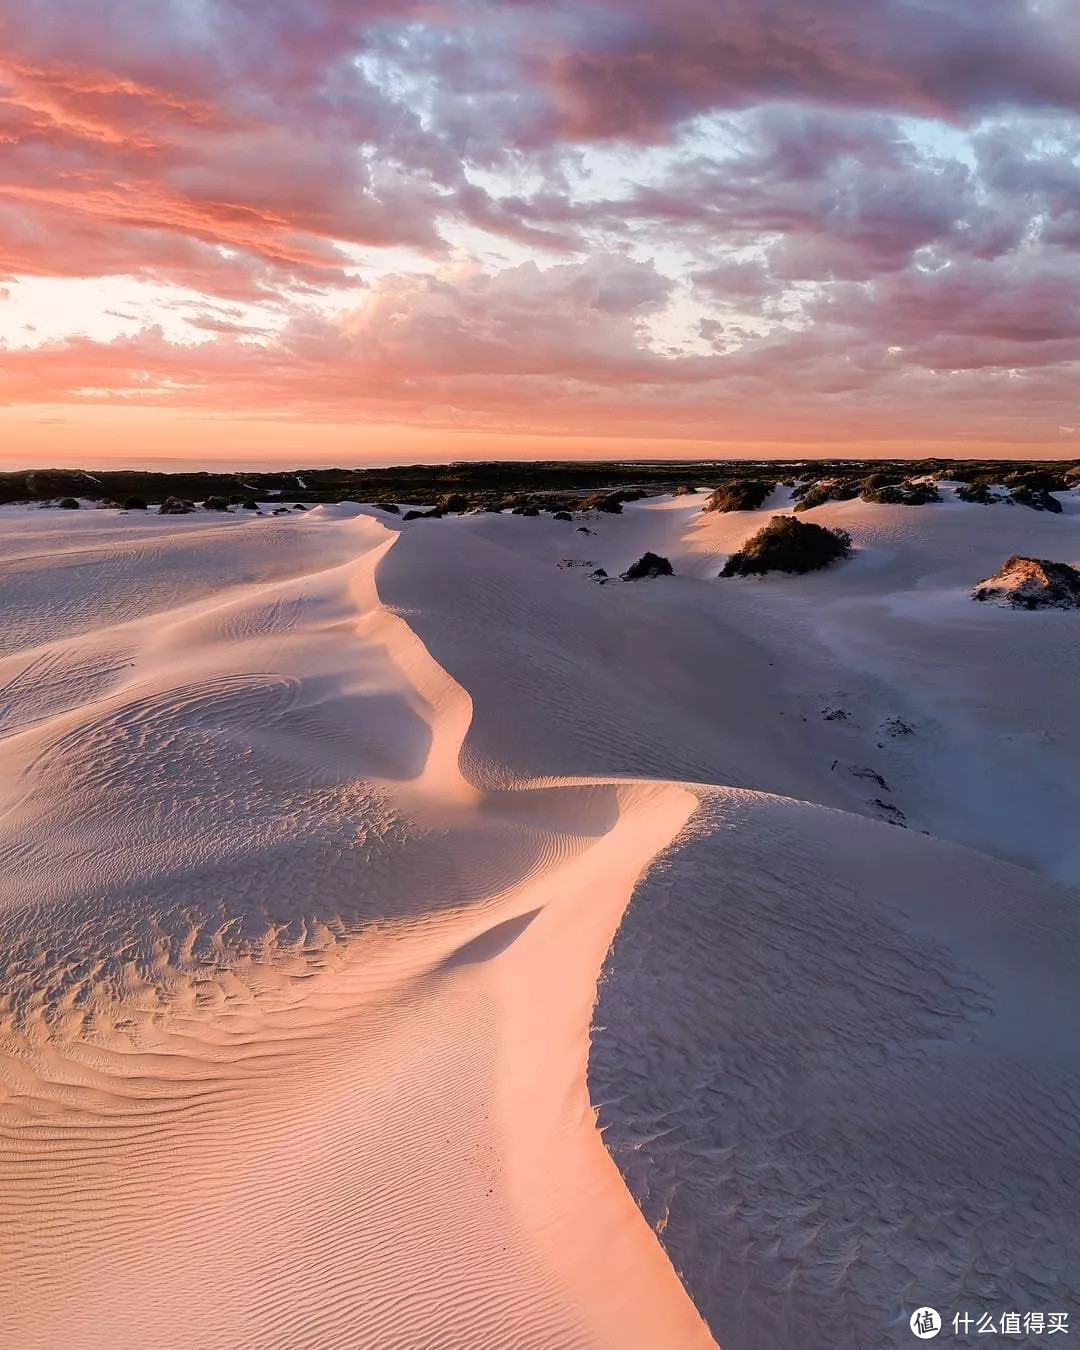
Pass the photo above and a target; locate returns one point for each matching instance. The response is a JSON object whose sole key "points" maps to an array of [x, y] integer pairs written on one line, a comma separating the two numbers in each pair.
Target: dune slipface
{"points": [[316, 834]]}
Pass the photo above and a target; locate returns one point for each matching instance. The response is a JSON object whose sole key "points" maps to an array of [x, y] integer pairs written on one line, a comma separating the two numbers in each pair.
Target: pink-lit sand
{"points": [[315, 836]]}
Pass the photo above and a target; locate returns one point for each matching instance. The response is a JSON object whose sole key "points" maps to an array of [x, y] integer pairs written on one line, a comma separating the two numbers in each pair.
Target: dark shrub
{"points": [[1036, 498], [392, 507], [562, 515], [215, 504], [740, 494], [525, 510], [68, 504], [788, 545], [454, 501], [249, 504], [683, 490], [977, 491], [648, 565], [825, 490], [134, 504], [173, 506], [611, 502], [1038, 480], [905, 493]]}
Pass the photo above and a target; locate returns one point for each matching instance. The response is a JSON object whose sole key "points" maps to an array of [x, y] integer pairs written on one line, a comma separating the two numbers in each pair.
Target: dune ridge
{"points": [[270, 1069]]}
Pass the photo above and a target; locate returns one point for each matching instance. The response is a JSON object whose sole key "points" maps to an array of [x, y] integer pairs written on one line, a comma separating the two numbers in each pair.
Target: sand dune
{"points": [[315, 837]]}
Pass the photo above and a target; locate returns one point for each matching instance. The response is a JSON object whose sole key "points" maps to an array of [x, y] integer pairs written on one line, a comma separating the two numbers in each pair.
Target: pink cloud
{"points": [[563, 352], [846, 261], [628, 69]]}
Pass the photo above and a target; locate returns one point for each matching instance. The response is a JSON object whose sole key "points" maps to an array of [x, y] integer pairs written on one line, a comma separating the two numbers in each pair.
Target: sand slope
{"points": [[295, 1019], [316, 834]]}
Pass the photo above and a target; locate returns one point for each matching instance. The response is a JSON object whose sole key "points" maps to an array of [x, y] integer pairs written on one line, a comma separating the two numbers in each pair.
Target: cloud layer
{"points": [[730, 219]]}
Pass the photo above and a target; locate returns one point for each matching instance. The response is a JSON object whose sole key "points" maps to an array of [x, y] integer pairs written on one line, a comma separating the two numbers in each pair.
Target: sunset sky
{"points": [[346, 231]]}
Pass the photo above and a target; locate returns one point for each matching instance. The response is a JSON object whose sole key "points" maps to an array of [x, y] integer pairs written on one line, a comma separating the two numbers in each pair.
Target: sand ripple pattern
{"points": [[263, 984]]}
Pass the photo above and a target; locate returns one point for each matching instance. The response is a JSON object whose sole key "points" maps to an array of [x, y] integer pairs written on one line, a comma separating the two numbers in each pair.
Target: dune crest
{"points": [[295, 1018]]}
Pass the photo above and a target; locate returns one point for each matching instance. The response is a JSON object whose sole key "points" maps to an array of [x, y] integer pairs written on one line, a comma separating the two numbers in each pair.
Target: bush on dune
{"points": [[1037, 480], [904, 493], [740, 494], [68, 504], [788, 545], [134, 504], [976, 491], [648, 565], [823, 490], [611, 502], [1037, 498]]}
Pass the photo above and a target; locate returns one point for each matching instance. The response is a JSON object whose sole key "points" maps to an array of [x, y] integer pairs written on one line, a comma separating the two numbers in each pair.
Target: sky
{"points": [[355, 231]]}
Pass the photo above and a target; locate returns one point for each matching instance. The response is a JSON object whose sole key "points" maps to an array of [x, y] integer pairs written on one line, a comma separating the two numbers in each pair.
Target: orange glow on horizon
{"points": [[102, 438]]}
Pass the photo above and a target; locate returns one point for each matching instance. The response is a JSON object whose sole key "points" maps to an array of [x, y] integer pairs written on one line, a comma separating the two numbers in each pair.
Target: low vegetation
{"points": [[905, 493], [818, 491], [1039, 499], [648, 565], [1029, 486], [547, 485], [739, 494], [977, 492], [610, 502], [788, 545]]}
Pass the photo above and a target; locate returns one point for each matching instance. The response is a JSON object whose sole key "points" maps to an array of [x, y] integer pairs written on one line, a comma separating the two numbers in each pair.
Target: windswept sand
{"points": [[316, 834]]}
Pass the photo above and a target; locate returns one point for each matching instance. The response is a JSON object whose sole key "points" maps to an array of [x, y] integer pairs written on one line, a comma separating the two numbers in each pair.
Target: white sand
{"points": [[316, 832]]}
